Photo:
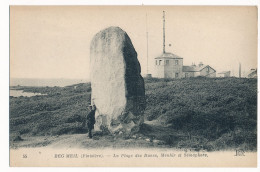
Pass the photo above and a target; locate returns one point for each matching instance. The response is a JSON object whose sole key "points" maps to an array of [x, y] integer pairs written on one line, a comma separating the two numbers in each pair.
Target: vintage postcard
{"points": [[133, 86]]}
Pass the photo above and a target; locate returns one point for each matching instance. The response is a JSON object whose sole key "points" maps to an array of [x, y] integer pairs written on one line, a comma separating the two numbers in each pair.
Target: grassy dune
{"points": [[198, 113]]}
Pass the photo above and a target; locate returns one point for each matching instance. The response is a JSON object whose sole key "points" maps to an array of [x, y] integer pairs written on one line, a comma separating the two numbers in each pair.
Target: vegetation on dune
{"points": [[59, 112], [200, 113], [221, 113]]}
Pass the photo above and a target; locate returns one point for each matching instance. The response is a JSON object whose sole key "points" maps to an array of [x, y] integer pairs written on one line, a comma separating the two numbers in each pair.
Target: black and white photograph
{"points": [[133, 86]]}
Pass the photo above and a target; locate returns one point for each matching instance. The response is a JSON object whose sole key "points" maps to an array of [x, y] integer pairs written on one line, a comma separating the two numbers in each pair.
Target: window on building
{"points": [[160, 62], [167, 62], [176, 62], [155, 62], [207, 69], [176, 75]]}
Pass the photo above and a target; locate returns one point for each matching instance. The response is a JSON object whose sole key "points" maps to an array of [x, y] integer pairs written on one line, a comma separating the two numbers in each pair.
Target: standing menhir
{"points": [[117, 86]]}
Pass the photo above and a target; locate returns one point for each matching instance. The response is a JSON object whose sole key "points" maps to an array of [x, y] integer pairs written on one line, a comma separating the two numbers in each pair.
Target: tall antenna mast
{"points": [[146, 44], [163, 31]]}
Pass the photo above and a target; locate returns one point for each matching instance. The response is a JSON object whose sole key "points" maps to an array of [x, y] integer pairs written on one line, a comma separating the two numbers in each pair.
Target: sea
{"points": [[36, 82], [61, 82], [18, 93]]}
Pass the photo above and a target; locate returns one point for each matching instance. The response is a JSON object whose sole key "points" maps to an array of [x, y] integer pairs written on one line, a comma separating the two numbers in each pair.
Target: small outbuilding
{"points": [[224, 74], [200, 70]]}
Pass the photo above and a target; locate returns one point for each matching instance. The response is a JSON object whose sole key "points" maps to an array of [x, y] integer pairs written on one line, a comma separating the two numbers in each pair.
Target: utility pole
{"points": [[239, 70], [163, 31], [146, 44]]}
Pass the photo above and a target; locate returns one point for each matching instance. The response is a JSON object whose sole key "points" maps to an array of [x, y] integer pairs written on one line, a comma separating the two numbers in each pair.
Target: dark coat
{"points": [[91, 119]]}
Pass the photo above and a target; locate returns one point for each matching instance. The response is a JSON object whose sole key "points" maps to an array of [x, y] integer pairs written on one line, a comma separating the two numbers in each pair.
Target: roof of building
{"points": [[252, 73], [194, 68], [168, 56], [224, 72], [188, 69]]}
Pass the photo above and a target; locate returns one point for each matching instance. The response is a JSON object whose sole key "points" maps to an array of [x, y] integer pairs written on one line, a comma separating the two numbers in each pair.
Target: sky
{"points": [[54, 41]]}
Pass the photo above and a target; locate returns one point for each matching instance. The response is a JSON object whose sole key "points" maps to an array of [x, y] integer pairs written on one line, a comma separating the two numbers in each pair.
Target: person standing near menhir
{"points": [[90, 120]]}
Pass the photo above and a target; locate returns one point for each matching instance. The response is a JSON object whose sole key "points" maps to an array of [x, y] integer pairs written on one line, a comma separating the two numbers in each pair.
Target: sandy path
{"points": [[81, 141]]}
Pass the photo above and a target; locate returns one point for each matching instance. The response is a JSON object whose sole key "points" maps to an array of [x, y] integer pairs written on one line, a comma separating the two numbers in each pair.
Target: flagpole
{"points": [[163, 31]]}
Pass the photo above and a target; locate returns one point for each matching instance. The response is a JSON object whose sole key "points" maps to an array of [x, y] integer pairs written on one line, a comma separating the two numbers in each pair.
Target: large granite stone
{"points": [[117, 86]]}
